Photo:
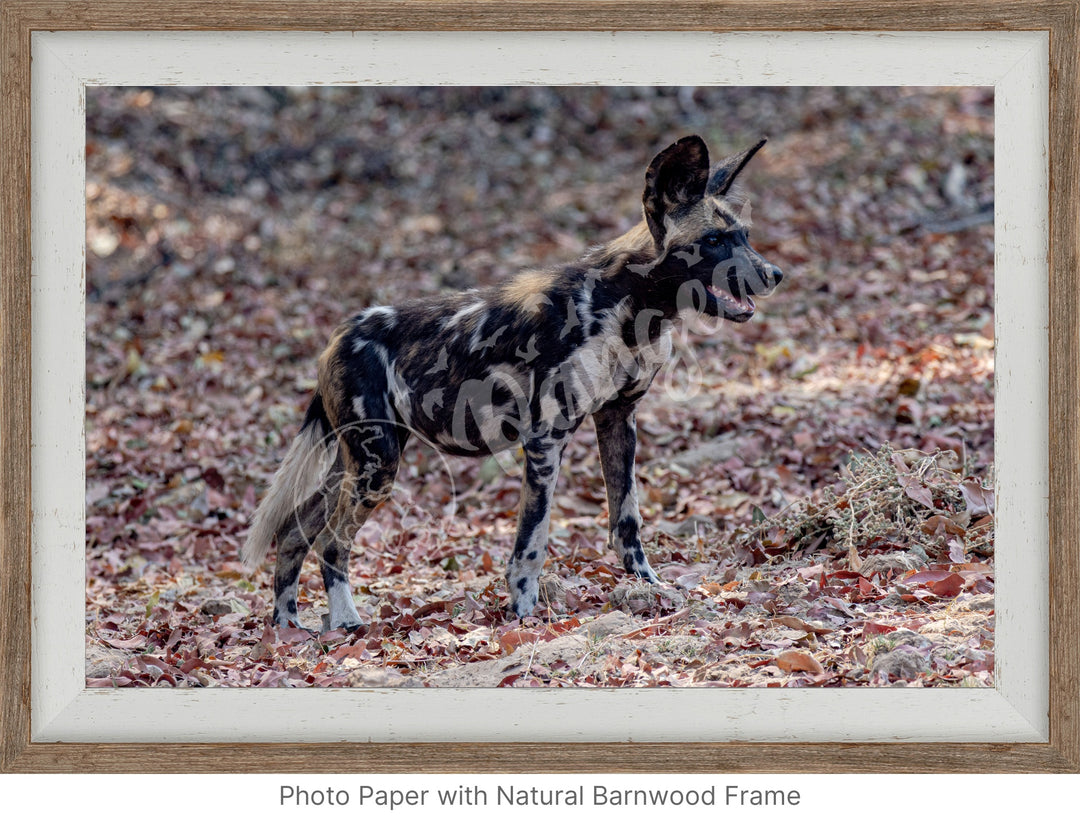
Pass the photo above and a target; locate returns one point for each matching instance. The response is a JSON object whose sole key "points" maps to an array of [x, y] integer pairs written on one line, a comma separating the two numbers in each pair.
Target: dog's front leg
{"points": [[542, 458], [616, 435]]}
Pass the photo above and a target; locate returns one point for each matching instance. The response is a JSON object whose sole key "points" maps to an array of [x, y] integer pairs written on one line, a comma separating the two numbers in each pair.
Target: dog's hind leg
{"points": [[616, 434], [371, 451], [296, 537], [542, 458]]}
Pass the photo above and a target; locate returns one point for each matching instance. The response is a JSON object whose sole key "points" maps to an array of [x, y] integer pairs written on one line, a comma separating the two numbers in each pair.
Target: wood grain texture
{"points": [[568, 15], [545, 758], [14, 386], [18, 18], [1064, 387]]}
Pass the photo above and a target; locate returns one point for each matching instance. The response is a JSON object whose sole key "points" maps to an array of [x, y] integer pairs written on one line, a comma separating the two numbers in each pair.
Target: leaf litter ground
{"points": [[816, 484]]}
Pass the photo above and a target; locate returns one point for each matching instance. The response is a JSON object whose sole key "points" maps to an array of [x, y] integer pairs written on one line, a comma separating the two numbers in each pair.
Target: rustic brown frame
{"points": [[1061, 18]]}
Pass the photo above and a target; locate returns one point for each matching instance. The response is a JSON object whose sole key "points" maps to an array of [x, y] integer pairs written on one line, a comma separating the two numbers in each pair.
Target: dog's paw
{"points": [[523, 597], [636, 564], [292, 624], [647, 575], [522, 609], [349, 622]]}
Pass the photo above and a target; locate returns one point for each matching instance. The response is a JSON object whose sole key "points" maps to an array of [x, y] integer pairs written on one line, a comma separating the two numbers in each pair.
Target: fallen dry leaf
{"points": [[797, 661]]}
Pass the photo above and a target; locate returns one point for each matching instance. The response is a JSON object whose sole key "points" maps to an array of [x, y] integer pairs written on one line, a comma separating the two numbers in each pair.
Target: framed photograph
{"points": [[850, 533]]}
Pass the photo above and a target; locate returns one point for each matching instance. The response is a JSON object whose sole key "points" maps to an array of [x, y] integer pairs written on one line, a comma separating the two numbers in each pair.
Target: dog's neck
{"points": [[635, 246], [621, 260], [632, 265]]}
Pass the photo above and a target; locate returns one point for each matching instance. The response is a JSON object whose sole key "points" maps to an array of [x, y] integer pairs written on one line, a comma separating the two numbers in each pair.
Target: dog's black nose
{"points": [[776, 273]]}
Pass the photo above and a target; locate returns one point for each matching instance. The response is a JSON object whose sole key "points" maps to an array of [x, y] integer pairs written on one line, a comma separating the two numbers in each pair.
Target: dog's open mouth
{"points": [[737, 310]]}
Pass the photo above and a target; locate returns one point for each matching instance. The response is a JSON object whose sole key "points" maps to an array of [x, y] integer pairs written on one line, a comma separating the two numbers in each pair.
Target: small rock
{"points": [[976, 603], [643, 597], [905, 662], [677, 648], [710, 453], [894, 561], [374, 677], [189, 501], [569, 649], [104, 661], [903, 637], [612, 623], [689, 527], [553, 592], [792, 593], [223, 606]]}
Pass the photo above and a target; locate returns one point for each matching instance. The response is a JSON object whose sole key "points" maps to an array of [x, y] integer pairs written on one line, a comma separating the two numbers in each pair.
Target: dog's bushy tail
{"points": [[307, 462]]}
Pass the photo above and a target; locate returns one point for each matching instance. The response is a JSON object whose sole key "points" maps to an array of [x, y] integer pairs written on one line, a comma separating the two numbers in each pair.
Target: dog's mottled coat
{"points": [[520, 364]]}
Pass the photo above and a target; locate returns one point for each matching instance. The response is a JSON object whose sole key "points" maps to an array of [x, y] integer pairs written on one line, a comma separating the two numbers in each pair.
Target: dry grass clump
{"points": [[887, 501]]}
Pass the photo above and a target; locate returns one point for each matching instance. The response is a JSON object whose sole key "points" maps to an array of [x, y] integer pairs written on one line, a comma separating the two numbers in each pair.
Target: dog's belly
{"points": [[511, 403]]}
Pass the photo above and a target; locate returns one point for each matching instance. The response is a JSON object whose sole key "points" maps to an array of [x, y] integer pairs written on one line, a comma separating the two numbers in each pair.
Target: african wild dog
{"points": [[520, 364]]}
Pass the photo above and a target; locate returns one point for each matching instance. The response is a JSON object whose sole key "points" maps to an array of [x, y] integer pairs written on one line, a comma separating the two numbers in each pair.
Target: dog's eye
{"points": [[713, 240]]}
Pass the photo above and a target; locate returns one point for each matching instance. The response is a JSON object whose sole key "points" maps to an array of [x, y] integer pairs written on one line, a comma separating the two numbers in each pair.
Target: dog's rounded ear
{"points": [[724, 173], [677, 176]]}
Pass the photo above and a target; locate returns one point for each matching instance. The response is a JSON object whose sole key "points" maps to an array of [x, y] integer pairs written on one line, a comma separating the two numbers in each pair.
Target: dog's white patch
{"points": [[464, 313], [342, 607], [386, 314], [478, 329], [400, 392]]}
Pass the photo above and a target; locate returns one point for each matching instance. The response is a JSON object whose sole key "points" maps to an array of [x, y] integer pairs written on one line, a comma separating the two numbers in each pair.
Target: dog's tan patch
{"points": [[331, 375], [527, 290], [638, 239]]}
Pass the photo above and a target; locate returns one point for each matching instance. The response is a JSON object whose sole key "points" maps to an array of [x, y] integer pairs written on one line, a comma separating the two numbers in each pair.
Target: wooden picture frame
{"points": [[19, 19]]}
